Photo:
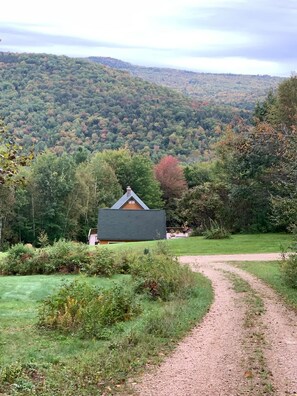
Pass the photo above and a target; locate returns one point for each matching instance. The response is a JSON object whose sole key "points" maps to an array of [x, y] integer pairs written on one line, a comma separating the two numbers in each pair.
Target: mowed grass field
{"points": [[20, 298], [239, 243]]}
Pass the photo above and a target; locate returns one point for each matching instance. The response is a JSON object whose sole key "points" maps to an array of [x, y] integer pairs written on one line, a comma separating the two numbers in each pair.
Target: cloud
{"points": [[24, 37], [277, 48], [261, 17], [261, 33], [264, 30]]}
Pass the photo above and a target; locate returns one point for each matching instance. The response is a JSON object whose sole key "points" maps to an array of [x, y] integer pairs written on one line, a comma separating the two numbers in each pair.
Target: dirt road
{"points": [[246, 344]]}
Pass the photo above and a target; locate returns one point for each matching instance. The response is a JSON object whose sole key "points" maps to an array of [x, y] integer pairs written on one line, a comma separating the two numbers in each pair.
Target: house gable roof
{"points": [[131, 225], [130, 194]]}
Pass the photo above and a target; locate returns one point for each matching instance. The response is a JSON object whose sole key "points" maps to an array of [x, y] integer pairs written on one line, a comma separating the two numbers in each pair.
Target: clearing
{"points": [[246, 344]]}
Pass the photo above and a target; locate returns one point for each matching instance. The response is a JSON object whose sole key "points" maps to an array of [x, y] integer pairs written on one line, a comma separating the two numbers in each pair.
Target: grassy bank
{"points": [[239, 243], [269, 272], [43, 362]]}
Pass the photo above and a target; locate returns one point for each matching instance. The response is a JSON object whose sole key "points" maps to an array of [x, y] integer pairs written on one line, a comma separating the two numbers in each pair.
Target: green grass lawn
{"points": [[19, 301], [269, 272], [71, 365], [239, 243]]}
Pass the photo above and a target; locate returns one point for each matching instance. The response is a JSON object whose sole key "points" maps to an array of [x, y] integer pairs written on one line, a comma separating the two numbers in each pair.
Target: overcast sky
{"points": [[229, 36]]}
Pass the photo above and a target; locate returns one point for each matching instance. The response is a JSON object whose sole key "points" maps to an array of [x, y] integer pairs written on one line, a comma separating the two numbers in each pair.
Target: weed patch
{"points": [[162, 277], [87, 310], [216, 231], [289, 270]]}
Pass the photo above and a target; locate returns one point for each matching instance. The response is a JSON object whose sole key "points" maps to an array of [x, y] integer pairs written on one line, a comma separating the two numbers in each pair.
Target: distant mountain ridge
{"points": [[238, 90], [112, 62]]}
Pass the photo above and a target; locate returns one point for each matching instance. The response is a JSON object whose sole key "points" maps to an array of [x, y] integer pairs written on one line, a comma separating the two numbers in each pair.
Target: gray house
{"points": [[130, 220]]}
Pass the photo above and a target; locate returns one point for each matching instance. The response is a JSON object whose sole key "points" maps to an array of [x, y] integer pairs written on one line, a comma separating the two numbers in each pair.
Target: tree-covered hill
{"points": [[240, 91], [63, 103]]}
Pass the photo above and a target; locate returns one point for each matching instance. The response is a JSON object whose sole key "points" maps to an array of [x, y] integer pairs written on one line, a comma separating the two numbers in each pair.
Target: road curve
{"points": [[209, 361]]}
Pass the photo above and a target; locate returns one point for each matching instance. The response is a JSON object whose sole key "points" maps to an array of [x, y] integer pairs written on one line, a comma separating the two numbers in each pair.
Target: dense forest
{"points": [[238, 92], [248, 184], [63, 103]]}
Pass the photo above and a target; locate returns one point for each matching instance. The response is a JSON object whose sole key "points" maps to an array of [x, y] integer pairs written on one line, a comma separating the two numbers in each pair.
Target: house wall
{"points": [[127, 206], [131, 206], [131, 225]]}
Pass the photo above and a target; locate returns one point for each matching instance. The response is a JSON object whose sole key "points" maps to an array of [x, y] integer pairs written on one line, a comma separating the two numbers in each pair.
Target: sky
{"points": [[216, 36]]}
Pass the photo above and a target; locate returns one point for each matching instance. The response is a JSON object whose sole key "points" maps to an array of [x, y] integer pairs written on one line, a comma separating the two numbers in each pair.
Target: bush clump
{"points": [[87, 310], [161, 276], [19, 260], [216, 231], [102, 262], [125, 259], [289, 270], [63, 256], [66, 256]]}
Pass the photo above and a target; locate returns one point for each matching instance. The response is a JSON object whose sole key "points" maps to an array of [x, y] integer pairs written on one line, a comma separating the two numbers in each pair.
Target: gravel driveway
{"points": [[223, 357]]}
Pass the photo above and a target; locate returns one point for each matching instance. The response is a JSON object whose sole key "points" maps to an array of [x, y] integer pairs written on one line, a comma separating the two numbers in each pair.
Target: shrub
{"points": [[108, 308], [63, 256], [124, 259], [86, 309], [289, 270], [43, 239], [68, 257], [102, 262], [41, 263], [63, 309], [216, 231], [197, 231], [161, 276], [18, 260], [162, 247]]}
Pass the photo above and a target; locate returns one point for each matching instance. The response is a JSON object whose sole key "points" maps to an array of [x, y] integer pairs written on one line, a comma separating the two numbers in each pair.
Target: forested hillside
{"points": [[238, 91], [63, 103], [249, 185]]}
